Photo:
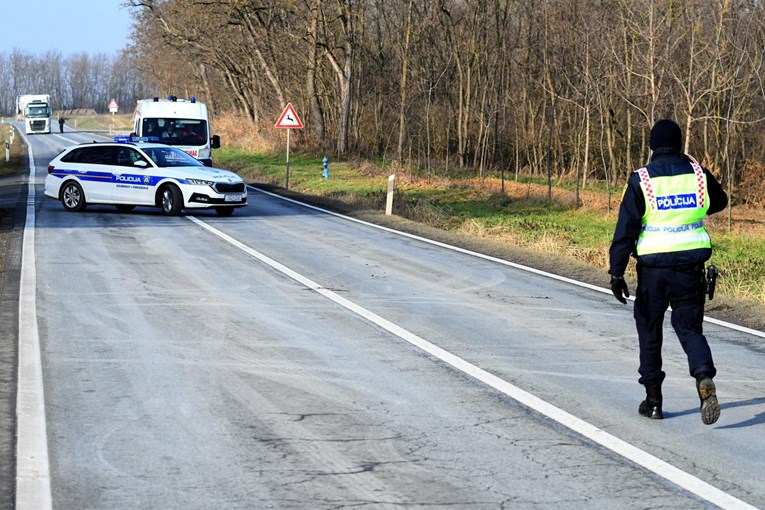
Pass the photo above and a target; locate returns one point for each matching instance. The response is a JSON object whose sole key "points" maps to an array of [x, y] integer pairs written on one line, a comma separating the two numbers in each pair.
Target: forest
{"points": [[563, 89], [79, 81]]}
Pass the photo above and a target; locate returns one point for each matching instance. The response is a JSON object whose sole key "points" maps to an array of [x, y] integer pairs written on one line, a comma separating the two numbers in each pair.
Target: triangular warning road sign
{"points": [[289, 119]]}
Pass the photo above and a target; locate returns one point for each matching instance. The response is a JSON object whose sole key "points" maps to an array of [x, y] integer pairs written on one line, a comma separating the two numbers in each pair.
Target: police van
{"points": [[182, 123], [132, 172]]}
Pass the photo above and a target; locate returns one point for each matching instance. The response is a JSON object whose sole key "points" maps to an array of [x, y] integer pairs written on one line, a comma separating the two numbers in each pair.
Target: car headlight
{"points": [[199, 182]]}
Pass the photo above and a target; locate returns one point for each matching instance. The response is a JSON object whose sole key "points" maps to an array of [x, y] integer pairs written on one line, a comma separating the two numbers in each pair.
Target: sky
{"points": [[69, 26]]}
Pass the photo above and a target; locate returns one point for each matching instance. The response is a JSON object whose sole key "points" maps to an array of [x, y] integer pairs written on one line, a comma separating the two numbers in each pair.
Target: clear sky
{"points": [[69, 26]]}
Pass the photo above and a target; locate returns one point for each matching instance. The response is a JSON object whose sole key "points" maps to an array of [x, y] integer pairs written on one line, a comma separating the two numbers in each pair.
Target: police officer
{"points": [[661, 222]]}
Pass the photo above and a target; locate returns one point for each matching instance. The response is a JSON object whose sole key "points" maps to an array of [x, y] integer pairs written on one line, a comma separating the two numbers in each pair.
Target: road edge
{"points": [[33, 487], [9, 329]]}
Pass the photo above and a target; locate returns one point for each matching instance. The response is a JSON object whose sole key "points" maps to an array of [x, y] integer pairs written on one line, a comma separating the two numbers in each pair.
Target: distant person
{"points": [[661, 224], [170, 132], [61, 124], [151, 129], [191, 134]]}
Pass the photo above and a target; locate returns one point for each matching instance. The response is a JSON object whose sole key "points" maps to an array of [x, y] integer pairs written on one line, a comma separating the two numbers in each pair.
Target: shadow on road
{"points": [[757, 419]]}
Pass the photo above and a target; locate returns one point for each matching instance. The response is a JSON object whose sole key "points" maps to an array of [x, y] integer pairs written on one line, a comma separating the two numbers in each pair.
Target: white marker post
{"points": [[288, 120], [389, 199]]}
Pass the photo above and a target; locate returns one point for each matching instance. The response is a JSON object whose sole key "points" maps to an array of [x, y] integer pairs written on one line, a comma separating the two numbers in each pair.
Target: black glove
{"points": [[619, 288]]}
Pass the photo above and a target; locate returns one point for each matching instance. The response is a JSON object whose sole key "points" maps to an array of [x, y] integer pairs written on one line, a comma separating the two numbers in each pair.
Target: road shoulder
{"points": [[13, 193]]}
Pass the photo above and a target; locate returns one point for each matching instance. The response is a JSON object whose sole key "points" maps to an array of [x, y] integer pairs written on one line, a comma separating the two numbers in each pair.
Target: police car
{"points": [[132, 172]]}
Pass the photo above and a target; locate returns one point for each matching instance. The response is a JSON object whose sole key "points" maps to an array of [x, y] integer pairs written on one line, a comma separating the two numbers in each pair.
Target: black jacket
{"points": [[664, 162]]}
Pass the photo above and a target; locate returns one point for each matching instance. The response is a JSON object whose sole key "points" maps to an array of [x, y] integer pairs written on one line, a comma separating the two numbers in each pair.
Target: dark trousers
{"points": [[683, 289]]}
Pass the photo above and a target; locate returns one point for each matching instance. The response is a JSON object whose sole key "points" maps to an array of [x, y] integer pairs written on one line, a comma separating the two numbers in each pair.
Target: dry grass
{"points": [[241, 134]]}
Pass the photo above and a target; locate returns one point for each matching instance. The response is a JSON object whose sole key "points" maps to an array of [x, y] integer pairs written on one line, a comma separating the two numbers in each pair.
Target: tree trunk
{"points": [[404, 73]]}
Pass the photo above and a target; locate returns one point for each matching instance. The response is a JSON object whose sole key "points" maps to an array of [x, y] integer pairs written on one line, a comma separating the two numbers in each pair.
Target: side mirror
{"points": [[215, 142], [141, 163]]}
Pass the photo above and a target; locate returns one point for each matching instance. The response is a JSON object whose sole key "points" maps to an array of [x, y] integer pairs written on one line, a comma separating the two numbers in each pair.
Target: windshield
{"points": [[37, 111], [177, 131], [170, 156]]}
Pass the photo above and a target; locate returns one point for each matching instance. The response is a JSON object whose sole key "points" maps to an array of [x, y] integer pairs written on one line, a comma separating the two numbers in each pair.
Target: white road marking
{"points": [[32, 468], [661, 468]]}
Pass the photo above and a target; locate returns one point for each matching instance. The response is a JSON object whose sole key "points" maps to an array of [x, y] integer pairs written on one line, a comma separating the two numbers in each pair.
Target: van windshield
{"points": [[174, 131]]}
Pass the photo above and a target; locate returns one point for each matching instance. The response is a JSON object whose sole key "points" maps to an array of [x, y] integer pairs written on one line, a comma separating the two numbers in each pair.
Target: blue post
{"points": [[326, 167]]}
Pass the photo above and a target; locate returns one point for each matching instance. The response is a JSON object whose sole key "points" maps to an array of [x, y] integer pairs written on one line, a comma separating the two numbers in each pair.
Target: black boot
{"points": [[651, 406], [710, 407]]}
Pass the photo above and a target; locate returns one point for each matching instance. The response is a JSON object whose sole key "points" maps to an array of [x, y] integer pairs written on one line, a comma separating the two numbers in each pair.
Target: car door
{"points": [[88, 166], [132, 179]]}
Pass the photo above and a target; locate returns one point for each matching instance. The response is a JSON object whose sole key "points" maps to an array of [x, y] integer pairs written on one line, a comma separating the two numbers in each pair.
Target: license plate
{"points": [[233, 197]]}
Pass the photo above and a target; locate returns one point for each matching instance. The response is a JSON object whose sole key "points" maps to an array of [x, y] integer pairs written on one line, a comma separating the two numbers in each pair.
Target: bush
{"points": [[751, 188], [235, 132]]}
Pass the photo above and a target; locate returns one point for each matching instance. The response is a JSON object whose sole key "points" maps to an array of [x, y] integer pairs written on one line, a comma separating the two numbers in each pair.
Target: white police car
{"points": [[128, 172]]}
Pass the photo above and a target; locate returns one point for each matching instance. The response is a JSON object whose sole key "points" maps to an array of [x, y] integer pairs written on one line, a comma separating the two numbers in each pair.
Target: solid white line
{"points": [[661, 468], [719, 322], [32, 467]]}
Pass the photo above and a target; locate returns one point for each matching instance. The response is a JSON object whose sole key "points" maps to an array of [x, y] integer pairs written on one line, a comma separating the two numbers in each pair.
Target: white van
{"points": [[182, 123]]}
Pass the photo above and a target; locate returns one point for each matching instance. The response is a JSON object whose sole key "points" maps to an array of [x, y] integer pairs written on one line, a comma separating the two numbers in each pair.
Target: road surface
{"points": [[286, 357]]}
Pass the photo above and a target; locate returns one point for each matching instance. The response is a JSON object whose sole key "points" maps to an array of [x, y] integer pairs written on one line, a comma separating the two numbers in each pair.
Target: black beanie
{"points": [[666, 133]]}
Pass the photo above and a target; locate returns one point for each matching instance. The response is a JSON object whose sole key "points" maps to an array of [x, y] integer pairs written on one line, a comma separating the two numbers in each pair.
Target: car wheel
{"points": [[124, 208], [172, 200], [224, 211], [72, 197]]}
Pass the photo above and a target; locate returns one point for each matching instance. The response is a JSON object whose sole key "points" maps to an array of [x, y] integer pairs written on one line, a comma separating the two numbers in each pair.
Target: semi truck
{"points": [[35, 111], [180, 122]]}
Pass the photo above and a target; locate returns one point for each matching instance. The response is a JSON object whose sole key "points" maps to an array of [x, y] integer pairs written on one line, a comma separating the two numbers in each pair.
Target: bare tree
{"points": [[341, 30], [562, 87]]}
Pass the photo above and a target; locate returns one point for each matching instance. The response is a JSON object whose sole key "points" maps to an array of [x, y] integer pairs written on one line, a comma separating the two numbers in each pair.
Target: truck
{"points": [[183, 123], [35, 110]]}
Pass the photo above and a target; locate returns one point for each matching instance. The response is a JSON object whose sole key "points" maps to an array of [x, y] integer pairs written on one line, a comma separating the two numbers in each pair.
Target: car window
{"points": [[100, 156], [76, 155], [104, 155], [136, 156], [126, 156], [92, 155], [122, 156]]}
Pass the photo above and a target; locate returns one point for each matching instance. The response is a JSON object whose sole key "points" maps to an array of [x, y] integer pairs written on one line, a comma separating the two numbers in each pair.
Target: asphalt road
{"points": [[289, 358]]}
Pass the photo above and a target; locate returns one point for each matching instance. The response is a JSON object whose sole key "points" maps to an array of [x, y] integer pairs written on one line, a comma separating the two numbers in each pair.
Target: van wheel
{"points": [[224, 211], [172, 200], [72, 197]]}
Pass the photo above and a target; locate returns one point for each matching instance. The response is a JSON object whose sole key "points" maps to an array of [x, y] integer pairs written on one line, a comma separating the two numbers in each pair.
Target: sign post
{"points": [[114, 108], [288, 120]]}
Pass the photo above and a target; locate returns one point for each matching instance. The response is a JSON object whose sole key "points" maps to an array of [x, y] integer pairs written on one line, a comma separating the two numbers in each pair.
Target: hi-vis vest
{"points": [[674, 212]]}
